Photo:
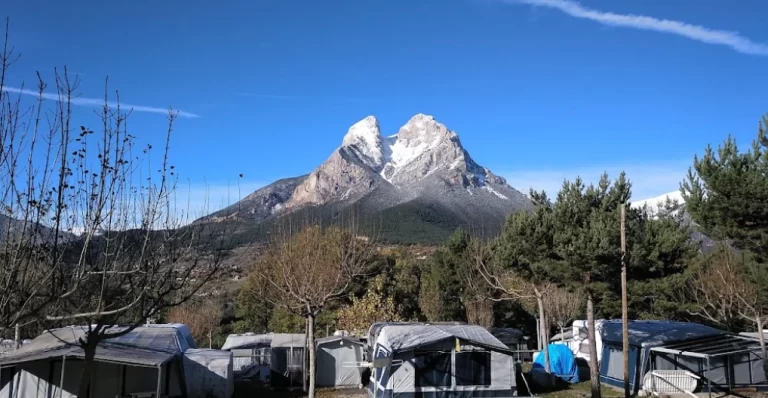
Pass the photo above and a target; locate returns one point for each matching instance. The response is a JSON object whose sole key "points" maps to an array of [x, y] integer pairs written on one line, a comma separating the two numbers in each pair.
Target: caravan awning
{"points": [[146, 346], [248, 340], [711, 347], [405, 337]]}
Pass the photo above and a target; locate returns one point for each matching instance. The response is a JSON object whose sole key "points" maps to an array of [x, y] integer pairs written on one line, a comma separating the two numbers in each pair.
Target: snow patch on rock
{"points": [[495, 192]]}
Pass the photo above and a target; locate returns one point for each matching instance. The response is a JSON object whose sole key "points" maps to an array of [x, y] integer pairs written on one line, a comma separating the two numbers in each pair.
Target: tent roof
{"points": [[566, 335], [656, 333], [248, 340], [406, 337], [712, 346], [288, 340], [144, 346], [507, 335], [331, 339]]}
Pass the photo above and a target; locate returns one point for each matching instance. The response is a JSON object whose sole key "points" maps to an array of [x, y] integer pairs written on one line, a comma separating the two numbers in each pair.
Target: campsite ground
{"points": [[578, 390]]}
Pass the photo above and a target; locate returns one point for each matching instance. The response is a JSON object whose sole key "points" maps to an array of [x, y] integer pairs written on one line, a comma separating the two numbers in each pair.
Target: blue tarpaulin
{"points": [[562, 363]]}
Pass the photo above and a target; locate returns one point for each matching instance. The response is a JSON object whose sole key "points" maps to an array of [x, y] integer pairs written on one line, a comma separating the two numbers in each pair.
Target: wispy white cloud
{"points": [[84, 101], [648, 180], [694, 32]]}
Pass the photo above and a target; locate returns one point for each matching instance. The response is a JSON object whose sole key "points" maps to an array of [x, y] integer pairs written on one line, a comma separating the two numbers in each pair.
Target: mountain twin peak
{"points": [[366, 160], [423, 164]]}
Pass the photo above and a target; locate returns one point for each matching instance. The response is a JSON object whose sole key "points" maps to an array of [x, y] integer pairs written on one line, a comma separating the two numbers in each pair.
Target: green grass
{"points": [[583, 389]]}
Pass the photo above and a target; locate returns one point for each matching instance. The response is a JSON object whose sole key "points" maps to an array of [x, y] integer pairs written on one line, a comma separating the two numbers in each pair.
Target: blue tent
{"points": [[562, 363]]}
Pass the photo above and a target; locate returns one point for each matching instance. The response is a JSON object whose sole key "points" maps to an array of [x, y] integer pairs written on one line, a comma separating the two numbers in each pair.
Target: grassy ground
{"points": [[582, 389], [321, 393]]}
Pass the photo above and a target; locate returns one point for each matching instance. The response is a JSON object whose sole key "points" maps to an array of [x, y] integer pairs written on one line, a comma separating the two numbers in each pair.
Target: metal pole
{"points": [[653, 378], [624, 310], [709, 384], [159, 381], [61, 377], [17, 337]]}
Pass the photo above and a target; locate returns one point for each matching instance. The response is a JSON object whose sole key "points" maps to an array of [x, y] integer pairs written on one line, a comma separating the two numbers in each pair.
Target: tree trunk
{"points": [[562, 334], [538, 333], [311, 346], [543, 331], [210, 339], [761, 336], [304, 356], [594, 370], [88, 366]]}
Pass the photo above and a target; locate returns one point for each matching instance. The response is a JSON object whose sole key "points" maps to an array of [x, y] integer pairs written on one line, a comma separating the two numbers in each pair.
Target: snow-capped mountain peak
{"points": [[657, 202], [423, 161], [364, 140]]}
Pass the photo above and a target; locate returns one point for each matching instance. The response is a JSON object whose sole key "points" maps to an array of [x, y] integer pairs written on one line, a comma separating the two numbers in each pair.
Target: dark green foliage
{"points": [[526, 244], [726, 193], [586, 224], [441, 281]]}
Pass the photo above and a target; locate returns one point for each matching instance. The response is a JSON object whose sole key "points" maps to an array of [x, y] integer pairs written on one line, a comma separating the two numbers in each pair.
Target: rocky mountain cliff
{"points": [[423, 166]]}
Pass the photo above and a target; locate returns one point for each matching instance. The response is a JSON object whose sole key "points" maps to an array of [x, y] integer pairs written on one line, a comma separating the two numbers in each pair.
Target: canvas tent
{"points": [[723, 361], [277, 357], [208, 373], [145, 360], [439, 360], [337, 359]]}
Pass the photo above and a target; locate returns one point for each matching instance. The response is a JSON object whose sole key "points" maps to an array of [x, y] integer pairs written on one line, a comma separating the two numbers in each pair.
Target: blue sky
{"points": [[538, 90]]}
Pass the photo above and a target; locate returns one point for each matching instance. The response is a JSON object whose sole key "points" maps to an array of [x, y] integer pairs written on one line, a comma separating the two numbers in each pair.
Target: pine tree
{"points": [[726, 194], [523, 261], [585, 221]]}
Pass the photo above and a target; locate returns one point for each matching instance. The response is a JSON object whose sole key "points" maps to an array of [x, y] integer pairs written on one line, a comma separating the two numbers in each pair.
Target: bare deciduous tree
{"points": [[512, 287], [477, 295], [90, 232], [713, 290], [308, 267], [202, 318], [562, 306]]}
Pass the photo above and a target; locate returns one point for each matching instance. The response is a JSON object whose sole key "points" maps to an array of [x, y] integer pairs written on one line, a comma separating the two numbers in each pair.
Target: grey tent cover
{"points": [[406, 337], [145, 346], [332, 355]]}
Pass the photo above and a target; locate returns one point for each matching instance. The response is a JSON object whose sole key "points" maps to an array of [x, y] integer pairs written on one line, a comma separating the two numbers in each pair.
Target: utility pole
{"points": [[17, 337], [624, 310]]}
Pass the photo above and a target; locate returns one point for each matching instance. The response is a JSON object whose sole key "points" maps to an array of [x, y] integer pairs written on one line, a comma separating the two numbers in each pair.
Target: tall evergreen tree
{"points": [[585, 221], [523, 261], [726, 194]]}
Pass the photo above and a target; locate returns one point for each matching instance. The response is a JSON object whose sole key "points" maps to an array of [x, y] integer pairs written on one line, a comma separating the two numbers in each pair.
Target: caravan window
{"points": [[473, 368], [433, 369]]}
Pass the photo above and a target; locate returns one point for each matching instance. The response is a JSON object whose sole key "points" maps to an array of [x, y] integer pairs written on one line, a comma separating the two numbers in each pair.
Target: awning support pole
{"points": [[61, 378], [159, 381], [709, 383], [653, 378]]}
